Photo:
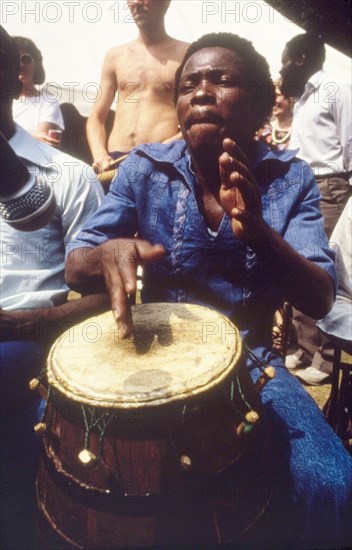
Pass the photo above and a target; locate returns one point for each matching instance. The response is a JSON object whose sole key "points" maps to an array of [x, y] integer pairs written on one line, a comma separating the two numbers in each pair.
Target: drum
{"points": [[147, 440]]}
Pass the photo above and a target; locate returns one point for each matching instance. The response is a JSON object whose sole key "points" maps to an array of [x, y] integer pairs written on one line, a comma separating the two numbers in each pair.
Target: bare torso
{"points": [[144, 79]]}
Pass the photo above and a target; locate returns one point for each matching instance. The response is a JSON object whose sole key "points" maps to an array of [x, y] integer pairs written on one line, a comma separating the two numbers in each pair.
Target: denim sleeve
{"points": [[305, 228], [117, 216]]}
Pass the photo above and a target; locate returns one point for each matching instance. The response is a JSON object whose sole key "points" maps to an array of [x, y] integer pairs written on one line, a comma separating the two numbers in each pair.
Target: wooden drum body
{"points": [[141, 436]]}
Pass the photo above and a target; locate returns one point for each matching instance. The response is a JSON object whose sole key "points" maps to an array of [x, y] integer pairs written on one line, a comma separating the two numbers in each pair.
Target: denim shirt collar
{"points": [[177, 155]]}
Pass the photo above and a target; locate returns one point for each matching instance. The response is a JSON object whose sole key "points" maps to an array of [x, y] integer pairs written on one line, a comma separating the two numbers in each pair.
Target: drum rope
{"points": [[101, 422], [44, 410], [183, 422], [41, 379], [185, 445], [242, 394], [256, 360], [232, 397]]}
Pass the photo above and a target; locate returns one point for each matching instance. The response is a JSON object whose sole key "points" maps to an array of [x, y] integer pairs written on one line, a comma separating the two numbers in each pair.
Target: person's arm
{"points": [[114, 265], [304, 284], [40, 324], [96, 133]]}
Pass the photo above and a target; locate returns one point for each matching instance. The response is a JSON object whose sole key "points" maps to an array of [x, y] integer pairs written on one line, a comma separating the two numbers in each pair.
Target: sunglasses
{"points": [[26, 59]]}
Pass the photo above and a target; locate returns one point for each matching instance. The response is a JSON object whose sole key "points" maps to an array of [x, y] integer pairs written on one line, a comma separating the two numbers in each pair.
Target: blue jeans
{"points": [[315, 480], [20, 361]]}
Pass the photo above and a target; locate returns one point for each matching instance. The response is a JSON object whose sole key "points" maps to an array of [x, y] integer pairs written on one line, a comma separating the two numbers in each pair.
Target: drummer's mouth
{"points": [[203, 117]]}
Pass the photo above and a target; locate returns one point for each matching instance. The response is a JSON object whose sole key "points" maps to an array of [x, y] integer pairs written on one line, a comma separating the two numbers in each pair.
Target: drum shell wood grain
{"points": [[137, 493]]}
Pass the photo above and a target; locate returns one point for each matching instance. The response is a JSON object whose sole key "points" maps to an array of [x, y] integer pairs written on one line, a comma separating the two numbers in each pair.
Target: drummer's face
{"points": [[212, 99]]}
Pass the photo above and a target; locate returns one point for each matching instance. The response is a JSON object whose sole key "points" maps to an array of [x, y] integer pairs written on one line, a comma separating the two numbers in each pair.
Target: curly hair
{"points": [[28, 46], [257, 69]]}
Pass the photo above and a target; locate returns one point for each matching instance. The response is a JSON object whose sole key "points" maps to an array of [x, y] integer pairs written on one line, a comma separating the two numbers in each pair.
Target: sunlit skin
{"points": [[142, 72], [217, 119]]}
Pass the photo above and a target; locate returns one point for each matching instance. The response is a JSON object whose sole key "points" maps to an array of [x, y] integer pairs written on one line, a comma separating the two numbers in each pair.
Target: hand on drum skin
{"points": [[102, 164], [118, 259], [239, 192]]}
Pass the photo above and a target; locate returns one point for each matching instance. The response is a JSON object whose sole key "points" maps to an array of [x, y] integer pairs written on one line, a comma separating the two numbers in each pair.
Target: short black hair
{"points": [[27, 45], [309, 44], [256, 66]]}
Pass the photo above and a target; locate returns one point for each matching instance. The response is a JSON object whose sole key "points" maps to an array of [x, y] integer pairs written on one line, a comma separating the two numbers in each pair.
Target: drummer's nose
{"points": [[204, 93]]}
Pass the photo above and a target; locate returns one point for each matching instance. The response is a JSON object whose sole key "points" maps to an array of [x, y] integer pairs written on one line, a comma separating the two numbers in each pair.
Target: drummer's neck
{"points": [[206, 171]]}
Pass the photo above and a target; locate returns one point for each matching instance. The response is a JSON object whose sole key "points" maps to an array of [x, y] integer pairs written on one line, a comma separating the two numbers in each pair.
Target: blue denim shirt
{"points": [[154, 194]]}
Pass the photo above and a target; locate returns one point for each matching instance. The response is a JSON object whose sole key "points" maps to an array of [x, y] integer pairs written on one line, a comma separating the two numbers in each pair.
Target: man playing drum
{"points": [[226, 223], [142, 72]]}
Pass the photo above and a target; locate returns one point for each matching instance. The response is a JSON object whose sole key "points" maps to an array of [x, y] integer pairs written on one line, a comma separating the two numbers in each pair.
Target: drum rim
{"points": [[154, 401]]}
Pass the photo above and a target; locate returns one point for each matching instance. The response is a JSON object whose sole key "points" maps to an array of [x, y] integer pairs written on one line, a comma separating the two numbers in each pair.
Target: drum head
{"points": [[176, 351]]}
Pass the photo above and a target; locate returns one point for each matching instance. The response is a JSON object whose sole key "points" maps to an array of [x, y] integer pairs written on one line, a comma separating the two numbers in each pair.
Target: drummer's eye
{"points": [[227, 82], [186, 87]]}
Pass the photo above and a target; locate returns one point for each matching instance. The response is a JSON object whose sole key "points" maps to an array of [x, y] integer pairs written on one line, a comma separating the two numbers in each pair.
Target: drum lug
{"points": [[87, 458], [246, 426], [267, 374], [186, 462], [35, 385], [40, 428]]}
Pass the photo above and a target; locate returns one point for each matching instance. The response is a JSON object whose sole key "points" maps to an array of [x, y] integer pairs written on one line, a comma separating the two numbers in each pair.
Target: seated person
{"points": [[36, 111], [33, 302], [226, 223]]}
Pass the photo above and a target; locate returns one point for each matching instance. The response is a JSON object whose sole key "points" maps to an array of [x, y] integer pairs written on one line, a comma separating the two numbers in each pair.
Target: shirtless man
{"points": [[142, 72]]}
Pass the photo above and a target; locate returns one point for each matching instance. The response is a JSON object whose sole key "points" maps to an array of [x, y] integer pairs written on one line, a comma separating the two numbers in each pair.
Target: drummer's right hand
{"points": [[102, 163], [119, 259]]}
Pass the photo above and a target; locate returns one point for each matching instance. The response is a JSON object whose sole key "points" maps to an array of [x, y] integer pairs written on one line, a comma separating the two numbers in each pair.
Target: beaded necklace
{"points": [[276, 131]]}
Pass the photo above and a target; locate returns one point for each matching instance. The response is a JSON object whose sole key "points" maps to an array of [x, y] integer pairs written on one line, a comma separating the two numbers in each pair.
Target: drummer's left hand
{"points": [[239, 192], [118, 260]]}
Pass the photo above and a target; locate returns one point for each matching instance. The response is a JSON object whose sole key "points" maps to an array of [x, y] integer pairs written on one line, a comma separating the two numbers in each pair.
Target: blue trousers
{"points": [[315, 477], [20, 361]]}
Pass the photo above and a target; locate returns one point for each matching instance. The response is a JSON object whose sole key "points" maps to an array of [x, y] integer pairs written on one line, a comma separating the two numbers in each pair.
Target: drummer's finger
{"points": [[131, 255], [119, 300], [234, 150], [229, 165], [121, 308], [249, 191]]}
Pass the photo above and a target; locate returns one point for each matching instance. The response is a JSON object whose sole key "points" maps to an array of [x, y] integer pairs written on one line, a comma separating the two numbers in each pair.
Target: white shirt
{"points": [[341, 239], [29, 111], [32, 263], [338, 322], [322, 125]]}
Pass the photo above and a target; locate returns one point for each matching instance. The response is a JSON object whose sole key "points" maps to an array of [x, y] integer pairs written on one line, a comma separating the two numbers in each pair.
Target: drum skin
{"points": [[168, 465]]}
